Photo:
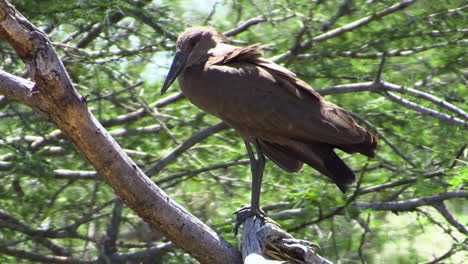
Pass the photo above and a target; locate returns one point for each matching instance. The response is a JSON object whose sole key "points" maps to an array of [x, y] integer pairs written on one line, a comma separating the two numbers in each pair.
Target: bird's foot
{"points": [[245, 212]]}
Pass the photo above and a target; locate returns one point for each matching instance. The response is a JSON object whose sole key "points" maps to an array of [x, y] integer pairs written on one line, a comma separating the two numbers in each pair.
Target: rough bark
{"points": [[53, 96], [263, 240]]}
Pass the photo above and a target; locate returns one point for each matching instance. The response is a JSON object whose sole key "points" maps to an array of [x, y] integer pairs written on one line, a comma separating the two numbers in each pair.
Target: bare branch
{"points": [[448, 12], [447, 254], [8, 221], [15, 88], [211, 13], [359, 23], [392, 53], [346, 28], [101, 54], [244, 26], [149, 253], [426, 111], [447, 230], [265, 238], [402, 182], [142, 112], [375, 87], [110, 238], [43, 258], [444, 211], [69, 174], [378, 75], [205, 169], [97, 29], [344, 6], [170, 157], [412, 204], [384, 138], [136, 12], [253, 21]]}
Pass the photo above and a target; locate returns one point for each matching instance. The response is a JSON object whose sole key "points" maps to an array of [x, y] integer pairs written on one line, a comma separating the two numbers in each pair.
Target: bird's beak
{"points": [[178, 64]]}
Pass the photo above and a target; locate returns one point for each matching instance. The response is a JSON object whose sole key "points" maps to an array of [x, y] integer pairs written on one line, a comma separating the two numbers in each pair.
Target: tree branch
{"points": [[376, 87], [43, 258], [447, 254], [412, 204], [401, 182], [150, 253], [170, 157], [384, 138], [8, 221], [444, 211], [55, 98], [346, 28], [251, 22], [392, 53]]}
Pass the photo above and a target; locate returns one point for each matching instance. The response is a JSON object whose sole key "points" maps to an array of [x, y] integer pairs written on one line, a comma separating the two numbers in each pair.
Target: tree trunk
{"points": [[52, 95]]}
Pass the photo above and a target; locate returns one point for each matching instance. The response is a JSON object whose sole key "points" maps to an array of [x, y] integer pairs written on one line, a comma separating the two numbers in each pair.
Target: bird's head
{"points": [[192, 45]]}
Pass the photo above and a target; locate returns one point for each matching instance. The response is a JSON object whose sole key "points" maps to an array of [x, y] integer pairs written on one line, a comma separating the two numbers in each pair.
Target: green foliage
{"points": [[425, 46]]}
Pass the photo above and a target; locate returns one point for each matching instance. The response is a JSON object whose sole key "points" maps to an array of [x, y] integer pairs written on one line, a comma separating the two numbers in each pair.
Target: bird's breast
{"points": [[202, 89], [239, 94]]}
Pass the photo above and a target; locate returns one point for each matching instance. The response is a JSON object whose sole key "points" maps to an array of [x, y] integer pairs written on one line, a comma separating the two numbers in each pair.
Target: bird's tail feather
{"points": [[317, 155], [281, 156]]}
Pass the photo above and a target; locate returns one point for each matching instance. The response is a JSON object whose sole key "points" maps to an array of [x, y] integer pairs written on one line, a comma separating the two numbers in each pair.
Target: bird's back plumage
{"points": [[264, 101]]}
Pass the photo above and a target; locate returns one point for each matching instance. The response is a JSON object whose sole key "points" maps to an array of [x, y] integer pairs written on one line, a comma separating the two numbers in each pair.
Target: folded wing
{"points": [[293, 123]]}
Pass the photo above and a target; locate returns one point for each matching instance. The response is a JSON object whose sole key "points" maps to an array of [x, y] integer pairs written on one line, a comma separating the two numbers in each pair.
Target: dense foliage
{"points": [[402, 73]]}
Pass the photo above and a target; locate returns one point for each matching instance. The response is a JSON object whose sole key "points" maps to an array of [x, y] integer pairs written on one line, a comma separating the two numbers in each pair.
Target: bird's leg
{"points": [[257, 166], [257, 176]]}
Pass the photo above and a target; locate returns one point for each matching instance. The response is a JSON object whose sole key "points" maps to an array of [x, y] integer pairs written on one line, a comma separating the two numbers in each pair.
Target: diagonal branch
{"points": [[55, 98], [444, 211], [253, 21], [342, 10], [384, 138], [346, 28], [426, 111], [170, 157]]}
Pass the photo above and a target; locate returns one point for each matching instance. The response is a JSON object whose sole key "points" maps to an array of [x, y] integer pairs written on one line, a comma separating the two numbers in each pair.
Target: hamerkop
{"points": [[282, 116]]}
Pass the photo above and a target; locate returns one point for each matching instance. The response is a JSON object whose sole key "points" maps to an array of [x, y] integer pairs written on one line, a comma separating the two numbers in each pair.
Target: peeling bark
{"points": [[263, 238]]}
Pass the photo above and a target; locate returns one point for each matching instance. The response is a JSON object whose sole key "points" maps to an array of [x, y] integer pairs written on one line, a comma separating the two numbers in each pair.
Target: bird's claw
{"points": [[245, 212]]}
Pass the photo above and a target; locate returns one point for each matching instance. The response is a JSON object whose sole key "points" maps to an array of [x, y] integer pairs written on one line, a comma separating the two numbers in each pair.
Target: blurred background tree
{"points": [[399, 66]]}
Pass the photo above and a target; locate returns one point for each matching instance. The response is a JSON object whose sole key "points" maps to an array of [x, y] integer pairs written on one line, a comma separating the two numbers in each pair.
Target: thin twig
{"points": [[170, 157], [253, 21], [205, 169], [346, 28], [402, 182], [384, 138], [444, 211], [447, 254]]}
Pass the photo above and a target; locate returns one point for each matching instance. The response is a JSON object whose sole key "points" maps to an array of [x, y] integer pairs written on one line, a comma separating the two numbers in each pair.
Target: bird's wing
{"points": [[262, 99], [251, 54]]}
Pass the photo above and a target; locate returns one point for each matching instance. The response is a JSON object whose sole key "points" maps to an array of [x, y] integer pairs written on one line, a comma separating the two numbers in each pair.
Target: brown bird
{"points": [[268, 106]]}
